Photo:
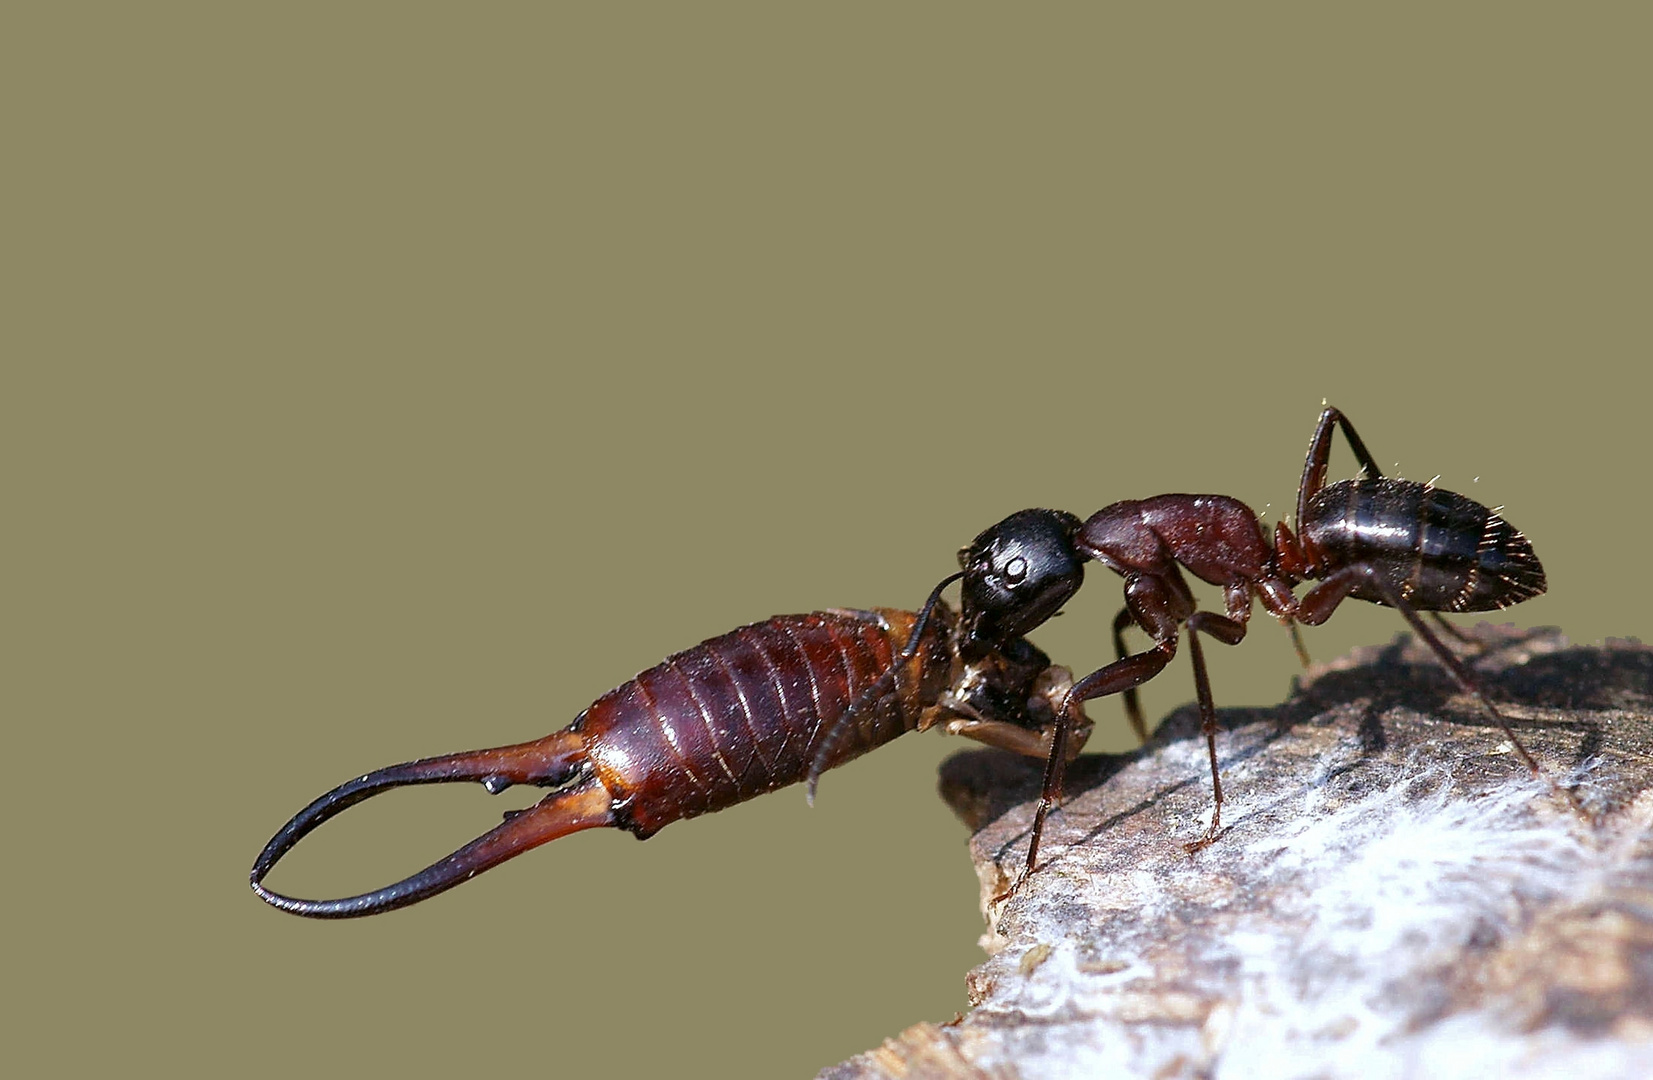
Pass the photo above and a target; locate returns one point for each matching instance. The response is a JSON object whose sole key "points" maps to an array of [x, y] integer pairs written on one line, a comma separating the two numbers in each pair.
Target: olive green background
{"points": [[387, 380]]}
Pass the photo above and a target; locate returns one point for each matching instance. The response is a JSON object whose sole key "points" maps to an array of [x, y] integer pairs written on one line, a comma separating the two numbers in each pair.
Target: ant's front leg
{"points": [[1158, 603]]}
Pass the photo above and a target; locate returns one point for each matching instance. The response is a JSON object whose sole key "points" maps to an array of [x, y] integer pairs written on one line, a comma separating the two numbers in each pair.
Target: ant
{"points": [[1403, 544], [781, 701]]}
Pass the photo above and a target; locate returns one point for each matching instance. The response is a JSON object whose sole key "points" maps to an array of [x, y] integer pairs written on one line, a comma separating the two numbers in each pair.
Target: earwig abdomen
{"points": [[1440, 550], [743, 714]]}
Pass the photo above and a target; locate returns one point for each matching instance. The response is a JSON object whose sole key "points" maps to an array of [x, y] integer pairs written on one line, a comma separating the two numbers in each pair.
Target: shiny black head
{"points": [[1017, 574]]}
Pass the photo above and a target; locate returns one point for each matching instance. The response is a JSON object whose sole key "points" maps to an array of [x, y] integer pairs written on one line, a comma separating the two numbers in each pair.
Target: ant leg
{"points": [[1320, 452], [1133, 700], [1297, 643], [1470, 644], [1316, 609], [1118, 676], [1276, 594], [1319, 603], [1229, 632], [1159, 603], [836, 731]]}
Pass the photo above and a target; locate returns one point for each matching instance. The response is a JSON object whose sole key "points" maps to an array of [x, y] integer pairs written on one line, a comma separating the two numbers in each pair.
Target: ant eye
{"points": [[1015, 570]]}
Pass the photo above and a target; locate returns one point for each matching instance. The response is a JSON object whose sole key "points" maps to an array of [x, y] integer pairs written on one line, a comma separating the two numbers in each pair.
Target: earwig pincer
{"points": [[767, 705], [1403, 544]]}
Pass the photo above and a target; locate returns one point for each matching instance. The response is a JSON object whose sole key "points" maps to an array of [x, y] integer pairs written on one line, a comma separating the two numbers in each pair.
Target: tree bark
{"points": [[1392, 892]]}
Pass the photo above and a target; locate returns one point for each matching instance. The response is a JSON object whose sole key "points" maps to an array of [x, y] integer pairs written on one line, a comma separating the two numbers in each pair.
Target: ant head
{"points": [[1019, 573]]}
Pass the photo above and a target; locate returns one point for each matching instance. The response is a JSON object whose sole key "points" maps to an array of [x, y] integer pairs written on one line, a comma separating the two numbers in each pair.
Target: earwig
{"points": [[1403, 544], [765, 706]]}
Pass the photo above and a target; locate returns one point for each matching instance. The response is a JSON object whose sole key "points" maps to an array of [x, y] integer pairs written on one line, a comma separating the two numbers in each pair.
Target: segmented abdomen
{"points": [[1441, 550], [743, 714]]}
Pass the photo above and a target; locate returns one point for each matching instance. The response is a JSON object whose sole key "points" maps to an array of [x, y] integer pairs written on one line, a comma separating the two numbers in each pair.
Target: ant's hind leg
{"points": [[1471, 646], [1320, 452], [1323, 599]]}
